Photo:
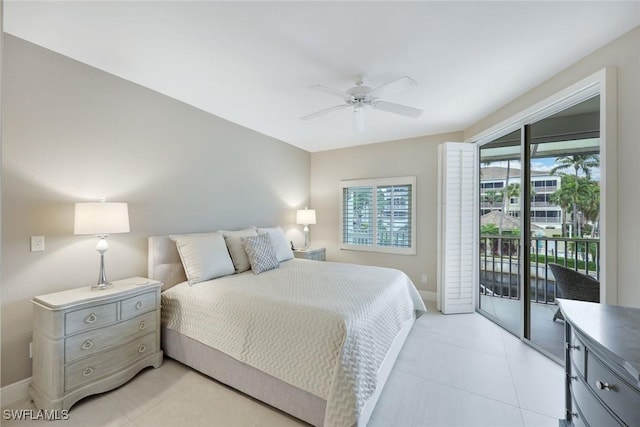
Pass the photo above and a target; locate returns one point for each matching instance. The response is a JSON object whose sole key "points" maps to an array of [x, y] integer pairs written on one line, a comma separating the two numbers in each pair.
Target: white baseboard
{"points": [[15, 392], [428, 295]]}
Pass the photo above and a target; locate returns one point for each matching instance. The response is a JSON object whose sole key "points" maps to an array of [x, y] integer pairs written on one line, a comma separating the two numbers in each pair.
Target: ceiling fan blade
{"points": [[325, 111], [331, 91], [403, 110], [394, 86]]}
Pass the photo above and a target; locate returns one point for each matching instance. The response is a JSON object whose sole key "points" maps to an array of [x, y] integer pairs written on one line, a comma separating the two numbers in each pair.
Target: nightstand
{"points": [[316, 254], [87, 341]]}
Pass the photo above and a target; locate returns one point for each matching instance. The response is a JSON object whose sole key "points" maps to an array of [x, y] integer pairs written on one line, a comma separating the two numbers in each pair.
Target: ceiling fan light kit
{"points": [[360, 96]]}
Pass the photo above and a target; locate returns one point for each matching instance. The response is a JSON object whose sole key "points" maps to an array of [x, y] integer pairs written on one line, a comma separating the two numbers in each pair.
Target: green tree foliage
{"points": [[577, 189]]}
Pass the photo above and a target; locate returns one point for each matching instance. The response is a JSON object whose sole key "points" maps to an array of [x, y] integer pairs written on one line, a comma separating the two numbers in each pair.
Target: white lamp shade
{"points": [[101, 218], [306, 216]]}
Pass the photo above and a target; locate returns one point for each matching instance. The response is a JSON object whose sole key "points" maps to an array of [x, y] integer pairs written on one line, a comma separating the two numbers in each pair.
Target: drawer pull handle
{"points": [[143, 325], [142, 348], [138, 305], [603, 386], [91, 318], [573, 347], [87, 345], [574, 415], [88, 370]]}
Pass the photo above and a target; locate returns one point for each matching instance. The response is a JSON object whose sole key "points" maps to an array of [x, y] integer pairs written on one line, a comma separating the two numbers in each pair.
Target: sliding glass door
{"points": [[539, 204], [564, 213], [500, 247]]}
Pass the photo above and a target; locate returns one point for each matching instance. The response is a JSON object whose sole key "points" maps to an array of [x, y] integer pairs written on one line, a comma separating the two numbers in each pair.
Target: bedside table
{"points": [[87, 341], [316, 254]]}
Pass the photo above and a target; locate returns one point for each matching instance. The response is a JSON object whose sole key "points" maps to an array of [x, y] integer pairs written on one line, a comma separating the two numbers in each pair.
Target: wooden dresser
{"points": [[602, 364], [90, 341]]}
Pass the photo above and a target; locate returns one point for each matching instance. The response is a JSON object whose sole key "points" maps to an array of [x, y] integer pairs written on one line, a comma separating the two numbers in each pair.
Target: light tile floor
{"points": [[456, 370]]}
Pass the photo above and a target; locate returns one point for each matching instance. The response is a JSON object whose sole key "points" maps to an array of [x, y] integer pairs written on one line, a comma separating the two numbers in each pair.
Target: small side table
{"points": [[316, 254]]}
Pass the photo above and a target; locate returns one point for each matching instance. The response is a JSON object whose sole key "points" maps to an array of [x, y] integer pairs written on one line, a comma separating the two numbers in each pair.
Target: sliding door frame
{"points": [[601, 83]]}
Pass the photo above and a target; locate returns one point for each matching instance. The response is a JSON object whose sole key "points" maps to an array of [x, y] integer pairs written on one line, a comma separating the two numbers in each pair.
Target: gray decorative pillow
{"points": [[262, 256]]}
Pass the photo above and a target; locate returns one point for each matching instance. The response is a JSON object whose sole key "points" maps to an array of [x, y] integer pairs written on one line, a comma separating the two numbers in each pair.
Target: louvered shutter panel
{"points": [[456, 227], [357, 220]]}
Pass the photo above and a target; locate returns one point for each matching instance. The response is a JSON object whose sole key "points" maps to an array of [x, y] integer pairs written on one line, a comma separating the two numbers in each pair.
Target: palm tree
{"points": [[577, 162], [513, 190], [493, 197], [564, 197], [590, 204]]}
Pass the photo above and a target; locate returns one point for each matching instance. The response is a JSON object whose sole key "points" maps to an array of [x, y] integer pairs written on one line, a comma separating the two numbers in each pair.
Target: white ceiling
{"points": [[252, 62]]}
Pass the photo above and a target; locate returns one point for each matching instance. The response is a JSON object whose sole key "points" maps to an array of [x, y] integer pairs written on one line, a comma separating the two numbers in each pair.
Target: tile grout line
{"points": [[456, 388], [513, 382]]}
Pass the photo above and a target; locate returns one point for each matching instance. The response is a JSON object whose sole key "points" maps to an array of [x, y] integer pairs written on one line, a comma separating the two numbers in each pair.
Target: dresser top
{"points": [[616, 329], [71, 297]]}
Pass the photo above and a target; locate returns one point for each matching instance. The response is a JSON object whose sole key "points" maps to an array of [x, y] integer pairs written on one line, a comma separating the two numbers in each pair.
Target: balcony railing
{"points": [[500, 272]]}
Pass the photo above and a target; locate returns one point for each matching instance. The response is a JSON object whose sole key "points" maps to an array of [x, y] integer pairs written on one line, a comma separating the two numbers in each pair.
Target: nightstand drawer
{"points": [[102, 364], [89, 318], [88, 343], [139, 304], [616, 393]]}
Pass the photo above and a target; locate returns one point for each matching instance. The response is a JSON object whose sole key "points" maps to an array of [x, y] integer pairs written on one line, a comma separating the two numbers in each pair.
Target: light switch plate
{"points": [[37, 243]]}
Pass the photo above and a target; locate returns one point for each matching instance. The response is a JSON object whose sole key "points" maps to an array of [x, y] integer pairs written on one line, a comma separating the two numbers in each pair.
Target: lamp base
{"points": [[101, 286], [103, 283]]}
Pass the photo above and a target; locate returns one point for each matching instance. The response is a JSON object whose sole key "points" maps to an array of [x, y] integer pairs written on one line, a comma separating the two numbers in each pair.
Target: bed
{"points": [[316, 340]]}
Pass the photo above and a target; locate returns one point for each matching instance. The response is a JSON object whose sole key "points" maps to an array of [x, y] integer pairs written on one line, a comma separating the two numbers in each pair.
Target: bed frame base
{"points": [[264, 387]]}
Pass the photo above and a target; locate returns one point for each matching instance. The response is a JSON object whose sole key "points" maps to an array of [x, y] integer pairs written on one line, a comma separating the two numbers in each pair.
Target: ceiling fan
{"points": [[360, 96]]}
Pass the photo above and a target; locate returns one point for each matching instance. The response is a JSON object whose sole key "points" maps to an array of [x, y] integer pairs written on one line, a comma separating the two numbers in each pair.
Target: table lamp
{"points": [[101, 219], [306, 217]]}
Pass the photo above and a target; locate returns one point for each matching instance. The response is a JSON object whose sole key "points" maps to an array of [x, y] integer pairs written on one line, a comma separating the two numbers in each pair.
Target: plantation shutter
{"points": [[456, 230], [394, 203], [357, 215]]}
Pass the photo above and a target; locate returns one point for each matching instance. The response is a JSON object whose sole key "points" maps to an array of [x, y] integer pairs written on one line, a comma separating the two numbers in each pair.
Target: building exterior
{"points": [[544, 214]]}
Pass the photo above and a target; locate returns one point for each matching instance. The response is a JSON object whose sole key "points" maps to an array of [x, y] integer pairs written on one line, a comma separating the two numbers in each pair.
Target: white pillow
{"points": [[279, 241], [239, 256], [204, 256], [261, 254]]}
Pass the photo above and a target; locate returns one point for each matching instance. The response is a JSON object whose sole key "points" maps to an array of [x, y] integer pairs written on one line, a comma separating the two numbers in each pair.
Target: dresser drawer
{"points": [[131, 307], [590, 407], [577, 419], [89, 318], [578, 353], [102, 364], [88, 343], [616, 393]]}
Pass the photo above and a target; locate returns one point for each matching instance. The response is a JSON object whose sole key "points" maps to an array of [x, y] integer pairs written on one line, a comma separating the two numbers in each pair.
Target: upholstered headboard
{"points": [[164, 262]]}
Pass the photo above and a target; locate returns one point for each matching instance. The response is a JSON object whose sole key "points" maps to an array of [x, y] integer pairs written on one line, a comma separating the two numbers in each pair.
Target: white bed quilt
{"points": [[320, 326]]}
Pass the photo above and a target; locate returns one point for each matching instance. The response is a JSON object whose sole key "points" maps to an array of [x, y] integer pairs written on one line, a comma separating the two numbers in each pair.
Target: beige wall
{"points": [[411, 157], [73, 133], [624, 54]]}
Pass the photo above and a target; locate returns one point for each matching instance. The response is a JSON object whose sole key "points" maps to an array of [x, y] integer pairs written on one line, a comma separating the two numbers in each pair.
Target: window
{"points": [[378, 215]]}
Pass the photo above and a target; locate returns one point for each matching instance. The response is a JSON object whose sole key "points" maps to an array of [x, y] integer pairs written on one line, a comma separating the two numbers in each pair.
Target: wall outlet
{"points": [[31, 350], [37, 243], [424, 277]]}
